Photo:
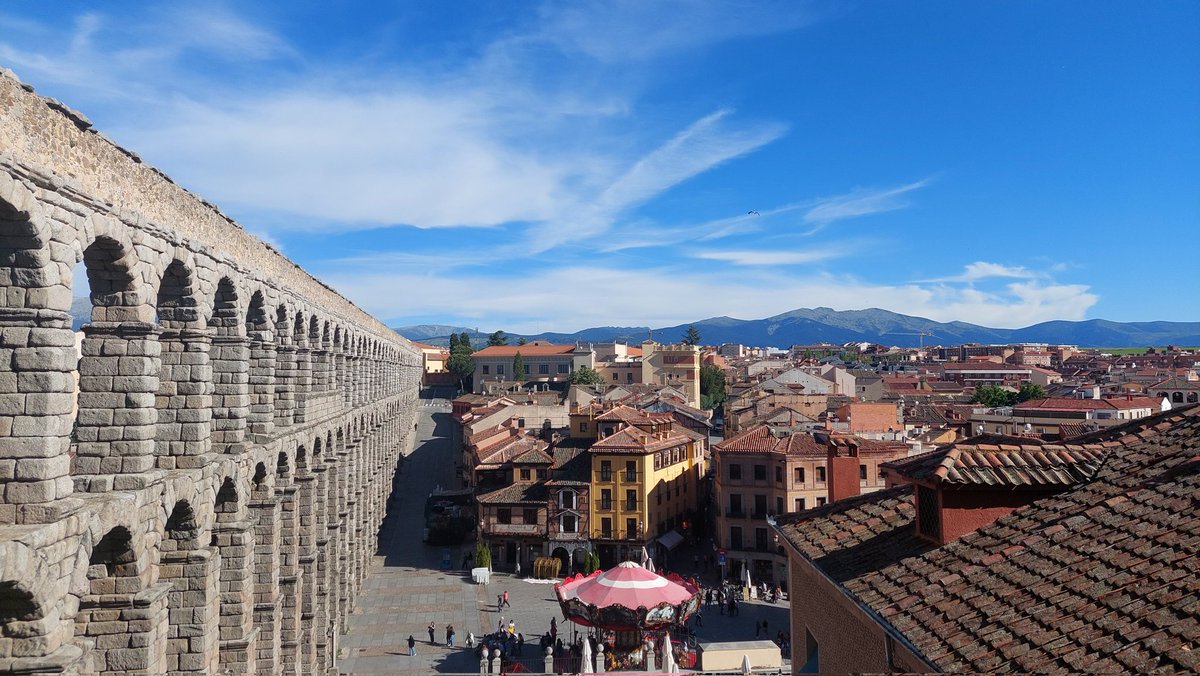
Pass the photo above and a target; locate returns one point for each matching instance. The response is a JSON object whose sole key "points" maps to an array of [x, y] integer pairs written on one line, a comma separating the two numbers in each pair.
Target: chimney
{"points": [[842, 468]]}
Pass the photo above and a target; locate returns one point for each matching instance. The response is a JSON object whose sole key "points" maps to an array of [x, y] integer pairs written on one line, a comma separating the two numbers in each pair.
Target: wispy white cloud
{"points": [[980, 270], [770, 258], [859, 203]]}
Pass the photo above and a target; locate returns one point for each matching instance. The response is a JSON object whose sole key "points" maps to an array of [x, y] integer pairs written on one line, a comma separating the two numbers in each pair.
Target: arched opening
{"points": [[114, 343], [564, 558], [1191, 397], [229, 355], [191, 568], [115, 580], [184, 397], [1177, 397]]}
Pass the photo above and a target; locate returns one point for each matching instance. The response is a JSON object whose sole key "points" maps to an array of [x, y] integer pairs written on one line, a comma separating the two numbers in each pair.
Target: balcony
{"points": [[629, 476], [735, 513], [603, 505], [514, 529], [634, 535], [631, 505], [604, 476]]}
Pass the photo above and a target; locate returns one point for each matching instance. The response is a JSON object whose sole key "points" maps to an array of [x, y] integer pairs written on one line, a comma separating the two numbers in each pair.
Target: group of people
{"points": [[725, 599], [432, 629]]}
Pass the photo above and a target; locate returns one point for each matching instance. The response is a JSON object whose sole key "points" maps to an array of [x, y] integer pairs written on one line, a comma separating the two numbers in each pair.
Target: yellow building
{"points": [[644, 483], [677, 365]]}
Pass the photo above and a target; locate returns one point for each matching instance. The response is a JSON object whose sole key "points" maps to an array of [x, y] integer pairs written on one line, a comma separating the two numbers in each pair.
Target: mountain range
{"points": [[822, 324]]}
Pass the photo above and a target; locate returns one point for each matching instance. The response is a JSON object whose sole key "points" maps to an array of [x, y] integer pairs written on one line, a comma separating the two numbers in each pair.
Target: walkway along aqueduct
{"points": [[211, 503]]}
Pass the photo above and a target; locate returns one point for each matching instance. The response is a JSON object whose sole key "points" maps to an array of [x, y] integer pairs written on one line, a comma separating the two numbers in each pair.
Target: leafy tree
{"points": [[591, 562], [497, 338], [462, 366], [464, 342], [993, 396], [586, 375], [692, 335], [712, 386], [518, 367], [483, 556], [453, 342], [522, 340], [1031, 391]]}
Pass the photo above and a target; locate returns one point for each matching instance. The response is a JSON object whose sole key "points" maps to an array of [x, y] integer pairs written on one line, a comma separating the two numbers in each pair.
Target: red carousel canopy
{"points": [[627, 597]]}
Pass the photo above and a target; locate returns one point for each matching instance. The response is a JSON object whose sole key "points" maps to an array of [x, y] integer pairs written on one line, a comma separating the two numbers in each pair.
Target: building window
{"points": [[735, 537], [569, 523], [566, 500], [929, 521], [606, 530], [499, 369], [629, 377], [504, 515], [631, 500], [812, 658], [862, 472], [820, 475], [760, 472], [605, 470], [778, 475], [486, 369], [529, 515], [760, 506], [525, 475], [821, 502], [521, 423], [606, 499], [544, 369], [735, 472], [614, 377], [760, 539], [798, 475], [583, 427], [800, 505], [542, 474], [735, 505], [631, 529], [778, 505], [631, 470]]}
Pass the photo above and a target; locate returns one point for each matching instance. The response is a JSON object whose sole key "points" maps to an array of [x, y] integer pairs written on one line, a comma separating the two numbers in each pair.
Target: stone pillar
{"points": [[37, 356], [192, 639], [548, 660], [306, 581], [303, 382], [340, 378], [289, 579], [184, 399], [235, 541], [322, 632], [265, 510], [116, 421], [260, 423], [344, 516], [285, 373], [231, 392], [128, 630]]}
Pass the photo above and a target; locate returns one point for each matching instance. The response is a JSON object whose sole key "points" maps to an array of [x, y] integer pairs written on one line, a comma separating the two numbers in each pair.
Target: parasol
{"points": [[586, 666], [627, 597], [668, 660]]}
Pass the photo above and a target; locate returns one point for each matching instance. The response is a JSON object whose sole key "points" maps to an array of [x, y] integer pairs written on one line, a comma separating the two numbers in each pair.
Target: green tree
{"points": [[692, 335], [497, 338], [464, 342], [522, 340], [483, 555], [993, 396], [712, 386], [453, 342], [518, 367], [591, 562], [462, 366], [1031, 391], [586, 375]]}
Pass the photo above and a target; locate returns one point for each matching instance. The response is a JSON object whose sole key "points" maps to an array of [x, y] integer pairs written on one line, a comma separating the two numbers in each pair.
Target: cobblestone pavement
{"points": [[406, 588]]}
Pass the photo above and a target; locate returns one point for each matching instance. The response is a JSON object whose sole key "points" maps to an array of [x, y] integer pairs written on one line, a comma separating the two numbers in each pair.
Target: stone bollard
{"points": [[496, 661], [549, 661], [483, 661], [601, 665]]}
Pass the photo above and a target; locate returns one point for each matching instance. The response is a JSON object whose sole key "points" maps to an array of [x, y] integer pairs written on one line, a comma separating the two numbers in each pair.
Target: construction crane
{"points": [[922, 335]]}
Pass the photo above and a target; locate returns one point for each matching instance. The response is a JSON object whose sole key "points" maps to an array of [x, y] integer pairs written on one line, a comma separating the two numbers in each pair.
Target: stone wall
{"points": [[210, 504]]}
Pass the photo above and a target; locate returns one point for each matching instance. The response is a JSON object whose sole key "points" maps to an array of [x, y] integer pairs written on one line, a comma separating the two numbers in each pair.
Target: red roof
{"points": [[525, 350], [1071, 404]]}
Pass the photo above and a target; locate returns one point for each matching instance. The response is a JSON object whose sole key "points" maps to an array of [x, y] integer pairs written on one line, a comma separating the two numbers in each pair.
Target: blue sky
{"points": [[554, 166]]}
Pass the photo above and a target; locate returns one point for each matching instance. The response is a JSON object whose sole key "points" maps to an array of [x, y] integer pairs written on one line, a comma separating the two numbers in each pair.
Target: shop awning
{"points": [[671, 540]]}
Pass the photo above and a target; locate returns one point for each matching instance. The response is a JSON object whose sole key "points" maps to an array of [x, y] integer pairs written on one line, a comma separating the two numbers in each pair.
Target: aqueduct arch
{"points": [[196, 487]]}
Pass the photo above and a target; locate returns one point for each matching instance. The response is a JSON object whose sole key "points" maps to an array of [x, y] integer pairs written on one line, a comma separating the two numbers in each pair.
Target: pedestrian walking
{"points": [[505, 596], [450, 635], [432, 641], [517, 571], [553, 628], [470, 639], [499, 602], [500, 624], [412, 646]]}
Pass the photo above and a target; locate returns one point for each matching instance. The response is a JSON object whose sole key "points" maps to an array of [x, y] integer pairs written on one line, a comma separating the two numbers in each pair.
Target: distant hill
{"points": [[822, 324]]}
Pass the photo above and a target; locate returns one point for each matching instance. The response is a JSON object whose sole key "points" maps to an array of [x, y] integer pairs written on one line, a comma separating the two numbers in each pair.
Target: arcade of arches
{"points": [[192, 483]]}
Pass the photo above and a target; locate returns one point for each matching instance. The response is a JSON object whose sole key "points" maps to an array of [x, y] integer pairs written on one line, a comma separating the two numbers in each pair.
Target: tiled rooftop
{"points": [[1100, 578]]}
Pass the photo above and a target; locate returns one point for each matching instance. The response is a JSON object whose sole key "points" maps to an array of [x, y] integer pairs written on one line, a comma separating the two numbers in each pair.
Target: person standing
{"points": [[499, 602], [450, 635], [431, 638], [553, 628], [412, 646], [506, 603]]}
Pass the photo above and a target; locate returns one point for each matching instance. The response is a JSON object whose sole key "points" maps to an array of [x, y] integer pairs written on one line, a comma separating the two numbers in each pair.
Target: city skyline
{"points": [[592, 164]]}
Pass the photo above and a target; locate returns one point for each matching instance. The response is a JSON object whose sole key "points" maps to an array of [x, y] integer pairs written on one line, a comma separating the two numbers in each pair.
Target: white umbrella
{"points": [[645, 556], [668, 660], [650, 565], [746, 668], [586, 667], [746, 572]]}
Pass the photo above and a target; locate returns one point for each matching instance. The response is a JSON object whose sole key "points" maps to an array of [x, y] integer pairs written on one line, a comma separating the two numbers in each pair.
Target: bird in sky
{"points": [[752, 213]]}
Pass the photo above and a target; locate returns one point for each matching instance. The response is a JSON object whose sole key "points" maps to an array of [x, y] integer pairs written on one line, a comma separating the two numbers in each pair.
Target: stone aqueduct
{"points": [[211, 502]]}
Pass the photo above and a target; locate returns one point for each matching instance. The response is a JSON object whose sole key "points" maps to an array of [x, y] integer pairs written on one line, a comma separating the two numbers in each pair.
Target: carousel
{"points": [[631, 614]]}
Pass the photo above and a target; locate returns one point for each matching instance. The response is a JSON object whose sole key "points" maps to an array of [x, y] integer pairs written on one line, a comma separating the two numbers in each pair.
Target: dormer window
{"points": [[566, 500], [929, 515]]}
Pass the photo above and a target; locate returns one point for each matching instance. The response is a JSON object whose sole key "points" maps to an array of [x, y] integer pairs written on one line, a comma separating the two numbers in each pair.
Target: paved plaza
{"points": [[406, 588]]}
